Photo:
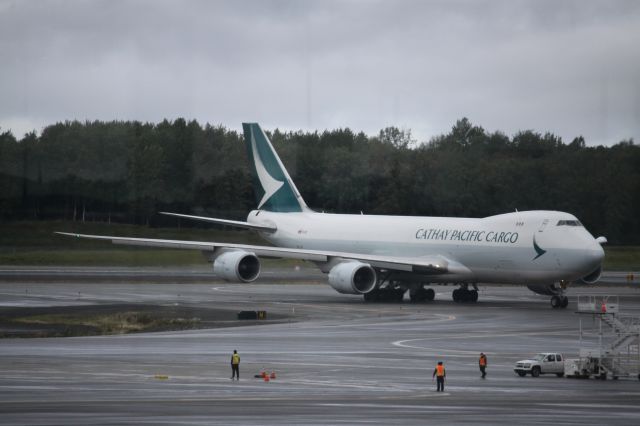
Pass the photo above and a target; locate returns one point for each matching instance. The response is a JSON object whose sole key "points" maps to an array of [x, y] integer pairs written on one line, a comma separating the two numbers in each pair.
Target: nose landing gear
{"points": [[555, 290], [559, 301]]}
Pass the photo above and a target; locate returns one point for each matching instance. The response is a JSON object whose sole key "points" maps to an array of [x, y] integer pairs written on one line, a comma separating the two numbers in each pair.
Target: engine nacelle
{"points": [[237, 266], [552, 289], [593, 277], [352, 278]]}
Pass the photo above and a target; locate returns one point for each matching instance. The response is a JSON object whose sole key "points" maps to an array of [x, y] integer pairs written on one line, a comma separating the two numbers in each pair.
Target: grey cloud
{"points": [[569, 67]]}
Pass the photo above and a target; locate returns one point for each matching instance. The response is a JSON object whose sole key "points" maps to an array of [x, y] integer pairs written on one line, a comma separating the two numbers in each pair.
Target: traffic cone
{"points": [[273, 374], [263, 374], [266, 377]]}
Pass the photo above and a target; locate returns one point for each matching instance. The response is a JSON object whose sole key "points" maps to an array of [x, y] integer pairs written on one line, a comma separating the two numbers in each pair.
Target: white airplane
{"points": [[381, 257]]}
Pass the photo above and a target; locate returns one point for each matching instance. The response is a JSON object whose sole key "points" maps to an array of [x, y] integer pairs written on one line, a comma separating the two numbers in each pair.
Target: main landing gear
{"points": [[421, 294], [386, 294], [393, 291], [559, 301], [463, 294]]}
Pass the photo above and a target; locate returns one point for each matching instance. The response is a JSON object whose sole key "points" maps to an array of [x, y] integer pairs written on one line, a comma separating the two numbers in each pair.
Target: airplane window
{"points": [[569, 223]]}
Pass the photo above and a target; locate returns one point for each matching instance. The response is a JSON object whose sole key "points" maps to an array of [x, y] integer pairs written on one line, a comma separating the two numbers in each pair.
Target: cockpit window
{"points": [[569, 223]]}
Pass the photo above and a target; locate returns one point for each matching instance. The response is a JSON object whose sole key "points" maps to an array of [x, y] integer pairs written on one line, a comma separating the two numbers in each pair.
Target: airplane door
{"points": [[543, 225]]}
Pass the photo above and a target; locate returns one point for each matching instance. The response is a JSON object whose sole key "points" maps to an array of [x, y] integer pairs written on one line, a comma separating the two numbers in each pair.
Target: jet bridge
{"points": [[609, 340]]}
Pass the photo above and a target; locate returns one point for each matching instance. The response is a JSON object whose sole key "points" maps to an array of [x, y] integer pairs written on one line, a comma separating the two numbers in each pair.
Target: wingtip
{"points": [[68, 234]]}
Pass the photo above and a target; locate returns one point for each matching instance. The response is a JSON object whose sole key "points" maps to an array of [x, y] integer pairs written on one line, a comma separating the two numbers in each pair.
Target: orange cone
{"points": [[266, 377], [273, 374], [263, 374]]}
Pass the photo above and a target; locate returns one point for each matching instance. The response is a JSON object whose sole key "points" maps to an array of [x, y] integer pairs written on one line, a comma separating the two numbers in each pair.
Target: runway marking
{"points": [[441, 318], [361, 309], [224, 290], [366, 366], [387, 406], [402, 343], [576, 405]]}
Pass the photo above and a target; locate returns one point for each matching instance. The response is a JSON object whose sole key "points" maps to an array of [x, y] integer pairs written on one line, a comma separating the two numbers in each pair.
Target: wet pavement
{"points": [[337, 360]]}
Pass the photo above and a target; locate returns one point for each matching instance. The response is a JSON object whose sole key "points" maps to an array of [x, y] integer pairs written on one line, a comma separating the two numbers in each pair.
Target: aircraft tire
{"points": [[555, 302], [564, 302], [422, 295], [461, 295], [372, 296], [416, 296], [430, 294]]}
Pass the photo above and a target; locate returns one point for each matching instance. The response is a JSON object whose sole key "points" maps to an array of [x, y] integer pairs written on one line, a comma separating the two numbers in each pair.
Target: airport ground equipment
{"points": [[542, 363], [609, 341]]}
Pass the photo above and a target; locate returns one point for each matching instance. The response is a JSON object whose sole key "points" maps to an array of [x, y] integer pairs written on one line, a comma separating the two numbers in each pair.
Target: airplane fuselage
{"points": [[526, 247]]}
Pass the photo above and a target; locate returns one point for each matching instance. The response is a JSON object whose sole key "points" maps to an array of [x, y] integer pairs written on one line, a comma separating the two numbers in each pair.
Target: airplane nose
{"points": [[595, 254], [592, 263]]}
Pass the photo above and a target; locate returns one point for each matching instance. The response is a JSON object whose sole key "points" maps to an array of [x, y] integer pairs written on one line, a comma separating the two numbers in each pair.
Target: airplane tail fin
{"points": [[274, 189]]}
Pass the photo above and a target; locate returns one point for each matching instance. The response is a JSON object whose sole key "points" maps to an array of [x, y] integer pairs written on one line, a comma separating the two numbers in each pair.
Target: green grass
{"points": [[121, 256], [116, 323], [40, 235], [622, 258], [34, 243]]}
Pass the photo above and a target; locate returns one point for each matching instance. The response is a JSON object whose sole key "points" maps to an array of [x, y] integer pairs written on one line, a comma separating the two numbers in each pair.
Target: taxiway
{"points": [[337, 359]]}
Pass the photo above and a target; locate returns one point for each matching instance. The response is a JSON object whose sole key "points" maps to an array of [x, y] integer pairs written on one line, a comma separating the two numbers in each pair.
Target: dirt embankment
{"points": [[91, 320]]}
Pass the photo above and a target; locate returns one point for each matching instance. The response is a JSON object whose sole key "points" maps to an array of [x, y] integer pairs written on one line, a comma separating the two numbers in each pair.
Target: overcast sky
{"points": [[568, 67]]}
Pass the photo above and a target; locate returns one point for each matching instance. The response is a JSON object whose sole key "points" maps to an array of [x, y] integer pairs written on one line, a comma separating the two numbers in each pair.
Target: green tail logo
{"points": [[275, 191], [537, 248]]}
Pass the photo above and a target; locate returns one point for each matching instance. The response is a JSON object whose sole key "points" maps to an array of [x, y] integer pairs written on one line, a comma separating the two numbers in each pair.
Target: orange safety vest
{"points": [[483, 361], [440, 371]]}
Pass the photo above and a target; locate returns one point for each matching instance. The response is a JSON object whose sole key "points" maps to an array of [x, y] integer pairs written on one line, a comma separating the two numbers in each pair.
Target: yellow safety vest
{"points": [[235, 359]]}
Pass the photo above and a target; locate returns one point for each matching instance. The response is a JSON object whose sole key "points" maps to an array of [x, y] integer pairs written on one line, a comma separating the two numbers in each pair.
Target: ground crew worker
{"points": [[235, 365], [482, 362], [439, 374]]}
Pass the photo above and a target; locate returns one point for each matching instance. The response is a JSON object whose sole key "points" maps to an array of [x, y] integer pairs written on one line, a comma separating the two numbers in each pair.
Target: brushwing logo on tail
{"points": [[273, 187], [269, 184]]}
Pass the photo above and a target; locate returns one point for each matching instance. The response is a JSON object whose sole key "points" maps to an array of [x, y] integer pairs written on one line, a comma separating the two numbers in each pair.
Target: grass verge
{"points": [[34, 243]]}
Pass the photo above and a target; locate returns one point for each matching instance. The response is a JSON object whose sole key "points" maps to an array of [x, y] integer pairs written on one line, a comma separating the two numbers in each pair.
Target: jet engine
{"points": [[352, 278], [237, 266], [593, 277]]}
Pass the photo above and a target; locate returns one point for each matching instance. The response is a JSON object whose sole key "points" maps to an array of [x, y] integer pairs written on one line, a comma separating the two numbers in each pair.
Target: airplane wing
{"points": [[236, 223], [432, 264]]}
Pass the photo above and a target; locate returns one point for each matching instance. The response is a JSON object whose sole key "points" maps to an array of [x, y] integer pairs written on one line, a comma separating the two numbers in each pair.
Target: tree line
{"points": [[127, 171]]}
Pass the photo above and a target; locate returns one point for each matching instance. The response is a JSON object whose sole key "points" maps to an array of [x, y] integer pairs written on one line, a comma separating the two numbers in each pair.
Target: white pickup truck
{"points": [[543, 363]]}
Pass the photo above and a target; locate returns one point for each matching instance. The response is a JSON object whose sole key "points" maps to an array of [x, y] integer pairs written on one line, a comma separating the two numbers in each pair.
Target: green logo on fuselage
{"points": [[537, 248]]}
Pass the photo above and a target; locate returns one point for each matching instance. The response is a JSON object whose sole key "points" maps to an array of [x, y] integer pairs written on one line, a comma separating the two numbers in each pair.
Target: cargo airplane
{"points": [[383, 257]]}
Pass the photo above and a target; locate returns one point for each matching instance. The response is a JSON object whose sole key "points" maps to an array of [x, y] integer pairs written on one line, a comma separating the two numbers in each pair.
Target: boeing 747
{"points": [[383, 257]]}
